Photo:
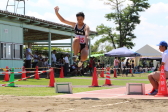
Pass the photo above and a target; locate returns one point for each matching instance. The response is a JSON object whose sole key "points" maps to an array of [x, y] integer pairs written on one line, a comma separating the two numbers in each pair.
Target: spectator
{"points": [[91, 65], [98, 66], [144, 64], [132, 67], [73, 69], [53, 58], [122, 67], [40, 57], [36, 59], [116, 64], [45, 64], [151, 64], [82, 71], [94, 63], [29, 56], [127, 67], [66, 64], [155, 76]]}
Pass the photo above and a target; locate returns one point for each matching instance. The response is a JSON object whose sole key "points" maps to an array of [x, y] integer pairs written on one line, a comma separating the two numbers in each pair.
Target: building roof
{"points": [[40, 35], [149, 51]]}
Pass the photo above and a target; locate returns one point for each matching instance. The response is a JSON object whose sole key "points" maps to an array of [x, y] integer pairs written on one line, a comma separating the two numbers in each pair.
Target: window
{"points": [[11, 51], [3, 50], [8, 51], [18, 51]]}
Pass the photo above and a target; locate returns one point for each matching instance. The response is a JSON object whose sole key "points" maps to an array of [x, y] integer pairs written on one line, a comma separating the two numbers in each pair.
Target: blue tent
{"points": [[122, 52]]}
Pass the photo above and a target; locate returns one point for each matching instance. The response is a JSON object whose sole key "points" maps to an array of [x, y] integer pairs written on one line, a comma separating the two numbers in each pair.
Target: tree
{"points": [[125, 20]]}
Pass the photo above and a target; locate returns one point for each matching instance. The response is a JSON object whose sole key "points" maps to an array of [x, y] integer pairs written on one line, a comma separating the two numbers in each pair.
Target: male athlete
{"points": [[80, 43]]}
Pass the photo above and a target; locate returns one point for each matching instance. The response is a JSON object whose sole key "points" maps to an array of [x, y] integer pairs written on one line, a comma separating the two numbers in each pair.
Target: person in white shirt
{"points": [[29, 56], [155, 76], [36, 59], [53, 58], [122, 67], [66, 65]]}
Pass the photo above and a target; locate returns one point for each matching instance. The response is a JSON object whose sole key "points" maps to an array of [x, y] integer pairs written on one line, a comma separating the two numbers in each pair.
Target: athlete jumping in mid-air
{"points": [[80, 43]]}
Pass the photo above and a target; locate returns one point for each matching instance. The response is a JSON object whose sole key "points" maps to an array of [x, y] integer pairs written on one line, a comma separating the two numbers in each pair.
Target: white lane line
{"points": [[110, 104], [68, 110]]}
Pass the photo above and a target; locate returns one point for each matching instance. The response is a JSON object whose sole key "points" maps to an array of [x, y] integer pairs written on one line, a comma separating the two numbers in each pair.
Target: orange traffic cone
{"points": [[94, 79], [23, 73], [6, 78], [162, 91], [115, 72], [52, 78], [37, 74], [107, 81], [102, 73], [61, 73]]}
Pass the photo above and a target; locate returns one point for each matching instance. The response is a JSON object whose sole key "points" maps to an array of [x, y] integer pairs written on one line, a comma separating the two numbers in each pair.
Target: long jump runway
{"points": [[118, 93]]}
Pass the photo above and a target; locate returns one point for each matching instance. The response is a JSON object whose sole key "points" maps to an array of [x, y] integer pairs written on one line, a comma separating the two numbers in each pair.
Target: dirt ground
{"points": [[51, 104]]}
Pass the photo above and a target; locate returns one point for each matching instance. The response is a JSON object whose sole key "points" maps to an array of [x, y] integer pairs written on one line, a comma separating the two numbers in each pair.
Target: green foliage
{"points": [[125, 20]]}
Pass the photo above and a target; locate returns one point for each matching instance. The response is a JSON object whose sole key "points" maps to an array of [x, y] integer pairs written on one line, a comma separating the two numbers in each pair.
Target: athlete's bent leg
{"points": [[84, 54], [76, 46]]}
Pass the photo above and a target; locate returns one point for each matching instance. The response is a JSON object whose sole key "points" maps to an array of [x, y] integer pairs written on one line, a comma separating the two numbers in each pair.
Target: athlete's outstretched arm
{"points": [[87, 31], [62, 19]]}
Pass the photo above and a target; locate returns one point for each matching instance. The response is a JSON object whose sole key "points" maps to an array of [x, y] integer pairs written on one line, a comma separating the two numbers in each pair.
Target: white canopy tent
{"points": [[150, 51]]}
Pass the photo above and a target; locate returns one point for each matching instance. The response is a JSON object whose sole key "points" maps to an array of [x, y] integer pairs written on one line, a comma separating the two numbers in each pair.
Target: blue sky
{"points": [[152, 29]]}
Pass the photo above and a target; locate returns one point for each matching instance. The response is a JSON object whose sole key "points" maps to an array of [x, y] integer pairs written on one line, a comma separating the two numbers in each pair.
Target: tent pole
{"points": [[49, 47]]}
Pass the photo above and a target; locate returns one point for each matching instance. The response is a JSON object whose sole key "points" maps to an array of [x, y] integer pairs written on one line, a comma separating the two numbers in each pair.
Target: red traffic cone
{"points": [[94, 79], [102, 73], [52, 78], [115, 72], [61, 73], [6, 78], [23, 73], [162, 91], [37, 74], [107, 81]]}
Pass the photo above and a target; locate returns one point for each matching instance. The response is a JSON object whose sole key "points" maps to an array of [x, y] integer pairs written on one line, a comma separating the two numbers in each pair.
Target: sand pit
{"points": [[52, 104]]}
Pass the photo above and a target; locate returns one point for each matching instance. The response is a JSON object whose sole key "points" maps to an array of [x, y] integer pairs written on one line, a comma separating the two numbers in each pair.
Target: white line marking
{"points": [[110, 104], [68, 110]]}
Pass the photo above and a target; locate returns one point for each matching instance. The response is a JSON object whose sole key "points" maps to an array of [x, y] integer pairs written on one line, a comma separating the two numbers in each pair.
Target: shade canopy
{"points": [[150, 51], [122, 52]]}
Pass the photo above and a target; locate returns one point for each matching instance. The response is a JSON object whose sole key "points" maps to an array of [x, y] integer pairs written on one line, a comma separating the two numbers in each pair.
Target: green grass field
{"points": [[47, 91]]}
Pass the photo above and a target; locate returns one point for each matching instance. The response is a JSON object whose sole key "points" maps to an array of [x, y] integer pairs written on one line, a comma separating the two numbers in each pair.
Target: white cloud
{"points": [[3, 5], [97, 4], [149, 33], [158, 8], [40, 3], [77, 3], [46, 16]]}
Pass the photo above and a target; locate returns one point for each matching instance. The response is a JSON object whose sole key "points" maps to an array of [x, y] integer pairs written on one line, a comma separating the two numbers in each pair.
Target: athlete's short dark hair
{"points": [[80, 14]]}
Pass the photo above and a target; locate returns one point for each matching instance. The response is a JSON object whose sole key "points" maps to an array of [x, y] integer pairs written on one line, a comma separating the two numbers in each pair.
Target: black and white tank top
{"points": [[80, 33]]}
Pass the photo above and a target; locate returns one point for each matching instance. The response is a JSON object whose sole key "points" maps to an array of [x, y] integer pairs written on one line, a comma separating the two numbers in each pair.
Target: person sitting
{"points": [[155, 76], [73, 69]]}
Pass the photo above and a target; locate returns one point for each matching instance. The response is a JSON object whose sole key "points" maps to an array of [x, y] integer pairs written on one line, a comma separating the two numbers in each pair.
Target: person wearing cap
{"points": [[155, 76]]}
